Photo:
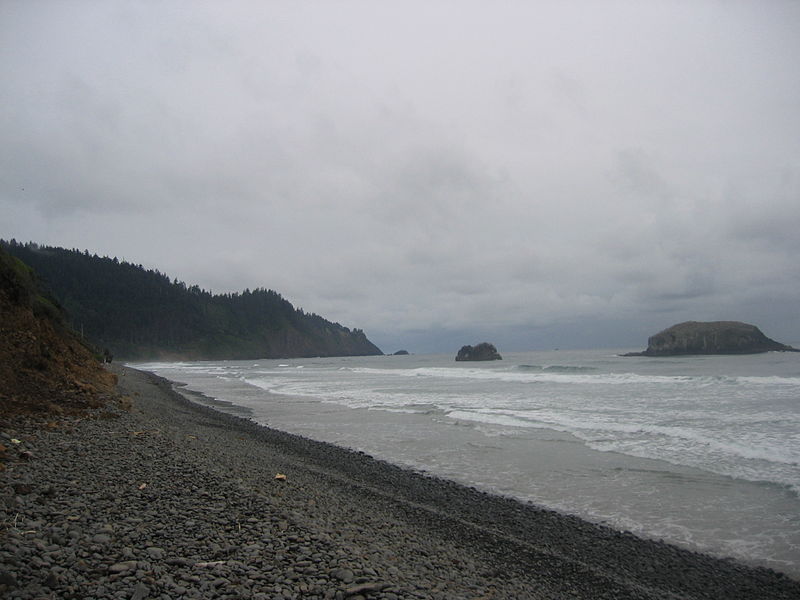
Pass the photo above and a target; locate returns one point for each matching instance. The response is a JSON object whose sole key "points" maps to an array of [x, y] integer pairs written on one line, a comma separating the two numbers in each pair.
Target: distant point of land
{"points": [[142, 314]]}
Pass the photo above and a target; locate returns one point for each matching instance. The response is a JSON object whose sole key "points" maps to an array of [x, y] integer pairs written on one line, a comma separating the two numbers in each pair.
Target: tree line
{"points": [[141, 314]]}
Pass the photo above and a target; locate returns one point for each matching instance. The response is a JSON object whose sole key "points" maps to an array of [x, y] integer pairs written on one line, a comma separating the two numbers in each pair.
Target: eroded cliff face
{"points": [[44, 367], [713, 337]]}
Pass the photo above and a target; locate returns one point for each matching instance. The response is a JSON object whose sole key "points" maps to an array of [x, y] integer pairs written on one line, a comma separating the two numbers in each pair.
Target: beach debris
{"points": [[210, 563], [146, 432], [125, 402], [364, 588], [22, 488], [15, 441], [142, 486], [280, 477]]}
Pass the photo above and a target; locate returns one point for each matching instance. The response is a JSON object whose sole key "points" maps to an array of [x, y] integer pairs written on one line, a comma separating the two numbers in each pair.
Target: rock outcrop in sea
{"points": [[482, 351], [712, 337]]}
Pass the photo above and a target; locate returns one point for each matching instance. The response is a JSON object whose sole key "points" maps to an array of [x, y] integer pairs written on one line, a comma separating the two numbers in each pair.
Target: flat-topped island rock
{"points": [[711, 337]]}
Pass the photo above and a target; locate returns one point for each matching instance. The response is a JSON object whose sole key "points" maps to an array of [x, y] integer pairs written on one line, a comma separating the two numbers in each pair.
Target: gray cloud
{"points": [[544, 175]]}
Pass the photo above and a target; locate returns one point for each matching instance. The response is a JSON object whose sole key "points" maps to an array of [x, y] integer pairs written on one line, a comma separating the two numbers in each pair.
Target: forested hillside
{"points": [[141, 314]]}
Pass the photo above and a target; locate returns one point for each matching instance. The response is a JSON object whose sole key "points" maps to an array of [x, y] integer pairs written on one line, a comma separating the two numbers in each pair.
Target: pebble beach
{"points": [[158, 497]]}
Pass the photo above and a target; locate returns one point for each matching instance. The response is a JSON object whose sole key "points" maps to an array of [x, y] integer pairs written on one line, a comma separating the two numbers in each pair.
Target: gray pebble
{"points": [[122, 567], [140, 592], [343, 575]]}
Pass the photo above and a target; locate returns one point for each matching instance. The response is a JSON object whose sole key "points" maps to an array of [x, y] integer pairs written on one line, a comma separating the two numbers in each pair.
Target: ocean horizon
{"points": [[700, 451]]}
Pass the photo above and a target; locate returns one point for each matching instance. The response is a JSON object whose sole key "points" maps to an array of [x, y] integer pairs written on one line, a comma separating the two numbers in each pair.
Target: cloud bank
{"points": [[555, 174]]}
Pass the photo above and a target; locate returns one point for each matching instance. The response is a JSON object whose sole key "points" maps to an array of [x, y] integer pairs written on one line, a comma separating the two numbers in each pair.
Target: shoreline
{"points": [[753, 522], [342, 524]]}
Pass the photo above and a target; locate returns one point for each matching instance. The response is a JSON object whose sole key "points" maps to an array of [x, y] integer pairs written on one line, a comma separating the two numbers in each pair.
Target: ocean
{"points": [[702, 452]]}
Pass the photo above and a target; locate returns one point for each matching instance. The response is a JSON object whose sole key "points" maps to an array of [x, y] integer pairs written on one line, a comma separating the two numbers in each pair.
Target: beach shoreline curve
{"points": [[339, 520]]}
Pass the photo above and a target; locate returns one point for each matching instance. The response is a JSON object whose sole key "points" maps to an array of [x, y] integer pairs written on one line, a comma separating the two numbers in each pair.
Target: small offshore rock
{"points": [[479, 352]]}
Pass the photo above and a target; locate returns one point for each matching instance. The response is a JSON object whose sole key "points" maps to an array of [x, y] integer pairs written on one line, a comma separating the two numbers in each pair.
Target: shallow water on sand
{"points": [[703, 452]]}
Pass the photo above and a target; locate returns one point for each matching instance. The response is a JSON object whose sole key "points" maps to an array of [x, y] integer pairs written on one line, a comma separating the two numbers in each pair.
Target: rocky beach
{"points": [[153, 496]]}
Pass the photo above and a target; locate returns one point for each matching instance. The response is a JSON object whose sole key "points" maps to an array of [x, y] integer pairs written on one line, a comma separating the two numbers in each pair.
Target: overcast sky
{"points": [[535, 174]]}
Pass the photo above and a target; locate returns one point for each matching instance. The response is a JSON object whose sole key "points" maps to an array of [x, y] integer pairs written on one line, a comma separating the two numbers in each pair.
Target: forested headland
{"points": [[141, 314]]}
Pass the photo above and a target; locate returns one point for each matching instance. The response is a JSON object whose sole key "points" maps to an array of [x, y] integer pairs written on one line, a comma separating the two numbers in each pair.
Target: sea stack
{"points": [[482, 351], [712, 337]]}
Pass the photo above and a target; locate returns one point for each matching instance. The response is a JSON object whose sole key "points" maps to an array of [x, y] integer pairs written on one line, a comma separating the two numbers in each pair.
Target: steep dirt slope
{"points": [[44, 366]]}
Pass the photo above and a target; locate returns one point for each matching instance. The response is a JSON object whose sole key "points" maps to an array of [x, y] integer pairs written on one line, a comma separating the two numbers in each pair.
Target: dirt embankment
{"points": [[44, 366]]}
